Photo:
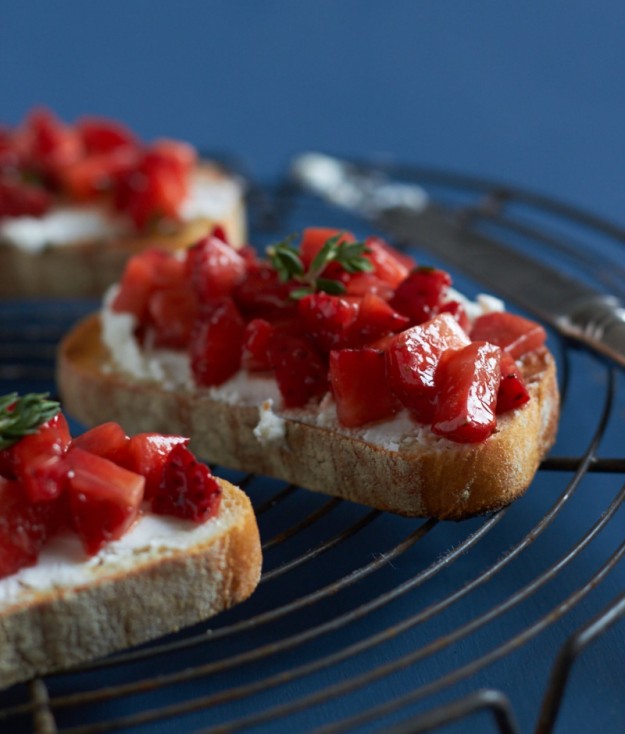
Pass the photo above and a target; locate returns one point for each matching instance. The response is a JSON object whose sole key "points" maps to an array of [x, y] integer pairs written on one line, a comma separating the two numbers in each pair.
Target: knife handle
{"points": [[600, 323]]}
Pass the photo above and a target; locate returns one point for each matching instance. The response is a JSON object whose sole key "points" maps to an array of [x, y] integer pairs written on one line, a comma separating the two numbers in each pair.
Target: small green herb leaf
{"points": [[21, 416]]}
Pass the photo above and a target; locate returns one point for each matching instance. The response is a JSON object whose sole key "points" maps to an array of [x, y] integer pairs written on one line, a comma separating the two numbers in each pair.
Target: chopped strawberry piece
{"points": [[23, 529], [143, 275], [420, 295], [375, 319], [514, 334], [20, 200], [362, 284], [389, 264], [97, 174], [37, 460], [326, 319], [172, 313], [99, 135], [261, 294], [216, 343], [412, 359], [513, 392], [108, 440], [468, 381], [300, 370], [360, 387], [147, 455], [188, 489], [457, 310], [51, 145], [104, 498], [256, 339], [214, 268], [314, 238]]}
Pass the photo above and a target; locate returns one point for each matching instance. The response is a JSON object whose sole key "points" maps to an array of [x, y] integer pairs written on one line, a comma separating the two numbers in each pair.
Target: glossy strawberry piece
{"points": [[468, 382], [375, 319], [300, 369], [360, 387], [37, 460], [216, 343], [171, 314], [255, 348], [514, 334], [50, 144], [187, 490], [23, 529], [512, 392], [327, 318], [389, 264], [420, 295], [147, 454], [97, 174], [213, 268], [108, 440], [104, 498], [314, 238], [412, 358], [22, 200], [261, 294], [99, 135]]}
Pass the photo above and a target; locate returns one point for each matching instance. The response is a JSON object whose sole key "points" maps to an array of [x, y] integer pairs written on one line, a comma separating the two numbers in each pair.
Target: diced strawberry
{"points": [[216, 344], [172, 313], [18, 199], [23, 529], [100, 135], [412, 358], [468, 381], [457, 310], [261, 294], [375, 319], [389, 264], [514, 334], [37, 460], [104, 498], [300, 370], [420, 295], [144, 274], [360, 387], [147, 454], [51, 144], [97, 174], [108, 440], [314, 238], [362, 284], [188, 489], [327, 319], [512, 392], [256, 340], [213, 268]]}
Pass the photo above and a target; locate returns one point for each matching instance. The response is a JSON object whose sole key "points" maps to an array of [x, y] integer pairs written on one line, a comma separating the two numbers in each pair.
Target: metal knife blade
{"points": [[405, 211]]}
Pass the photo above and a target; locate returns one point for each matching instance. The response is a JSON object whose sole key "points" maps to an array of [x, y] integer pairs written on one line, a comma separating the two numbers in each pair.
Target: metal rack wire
{"points": [[366, 622]]}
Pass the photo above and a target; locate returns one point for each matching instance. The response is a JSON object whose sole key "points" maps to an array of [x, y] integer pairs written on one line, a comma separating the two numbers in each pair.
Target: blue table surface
{"points": [[528, 94]]}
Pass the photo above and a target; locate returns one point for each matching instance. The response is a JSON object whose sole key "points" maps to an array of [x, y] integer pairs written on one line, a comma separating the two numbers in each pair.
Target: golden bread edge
{"points": [[440, 479]]}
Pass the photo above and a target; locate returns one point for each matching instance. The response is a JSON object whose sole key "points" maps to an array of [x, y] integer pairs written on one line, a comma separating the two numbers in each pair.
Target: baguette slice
{"points": [[126, 595], [86, 268], [422, 476]]}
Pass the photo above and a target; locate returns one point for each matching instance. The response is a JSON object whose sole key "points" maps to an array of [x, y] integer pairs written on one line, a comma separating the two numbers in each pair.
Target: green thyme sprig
{"points": [[21, 416], [286, 260]]}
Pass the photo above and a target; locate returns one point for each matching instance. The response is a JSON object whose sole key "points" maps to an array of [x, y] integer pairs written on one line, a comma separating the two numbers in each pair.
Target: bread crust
{"points": [[85, 269], [161, 592], [426, 476]]}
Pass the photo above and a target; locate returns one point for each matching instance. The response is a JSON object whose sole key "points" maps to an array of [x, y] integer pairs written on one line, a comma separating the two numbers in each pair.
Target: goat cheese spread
{"points": [[72, 224]]}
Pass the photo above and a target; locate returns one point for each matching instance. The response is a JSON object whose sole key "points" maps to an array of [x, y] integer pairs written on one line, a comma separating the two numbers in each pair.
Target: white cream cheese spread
{"points": [[62, 563]]}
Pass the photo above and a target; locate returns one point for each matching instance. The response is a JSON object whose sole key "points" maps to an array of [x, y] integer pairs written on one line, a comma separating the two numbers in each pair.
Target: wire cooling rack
{"points": [[367, 622]]}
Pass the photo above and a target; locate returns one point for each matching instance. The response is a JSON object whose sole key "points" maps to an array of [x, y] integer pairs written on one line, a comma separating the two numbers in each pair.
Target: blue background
{"points": [[528, 93]]}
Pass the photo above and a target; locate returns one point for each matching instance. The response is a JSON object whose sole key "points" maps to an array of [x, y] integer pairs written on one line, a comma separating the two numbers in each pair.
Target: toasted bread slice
{"points": [[66, 610], [87, 267], [419, 475]]}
